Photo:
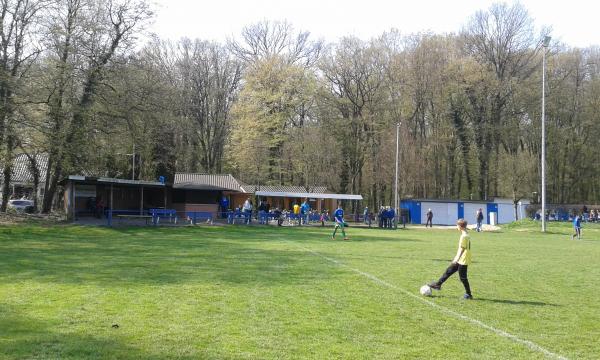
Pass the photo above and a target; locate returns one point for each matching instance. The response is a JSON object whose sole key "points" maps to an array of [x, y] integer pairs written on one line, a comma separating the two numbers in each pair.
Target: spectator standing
{"points": [[479, 218], [429, 217], [278, 216], [296, 211], [304, 210], [366, 214], [247, 209], [262, 213], [392, 218], [324, 217], [224, 205], [386, 217]]}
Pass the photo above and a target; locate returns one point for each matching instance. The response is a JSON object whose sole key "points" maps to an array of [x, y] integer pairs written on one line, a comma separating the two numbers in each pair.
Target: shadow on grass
{"points": [[27, 338], [324, 235], [153, 256], [516, 302]]}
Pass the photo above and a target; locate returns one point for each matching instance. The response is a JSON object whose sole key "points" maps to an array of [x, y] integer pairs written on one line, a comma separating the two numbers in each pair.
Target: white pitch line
{"points": [[530, 344]]}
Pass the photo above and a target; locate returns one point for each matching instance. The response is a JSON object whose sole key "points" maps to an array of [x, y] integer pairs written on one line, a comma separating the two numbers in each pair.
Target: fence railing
{"points": [[173, 217]]}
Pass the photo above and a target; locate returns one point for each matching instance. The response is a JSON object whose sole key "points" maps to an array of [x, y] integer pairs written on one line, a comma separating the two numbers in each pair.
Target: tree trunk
{"points": [[7, 172], [49, 195]]}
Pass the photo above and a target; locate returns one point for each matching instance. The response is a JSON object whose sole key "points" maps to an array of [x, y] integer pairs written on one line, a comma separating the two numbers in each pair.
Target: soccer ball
{"points": [[425, 290]]}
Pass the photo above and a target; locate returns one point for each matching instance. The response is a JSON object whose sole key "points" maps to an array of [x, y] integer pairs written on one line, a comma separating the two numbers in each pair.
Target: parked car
{"points": [[21, 205]]}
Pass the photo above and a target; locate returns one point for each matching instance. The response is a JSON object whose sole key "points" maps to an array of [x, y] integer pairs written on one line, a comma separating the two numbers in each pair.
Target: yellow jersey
{"points": [[464, 243], [296, 209]]}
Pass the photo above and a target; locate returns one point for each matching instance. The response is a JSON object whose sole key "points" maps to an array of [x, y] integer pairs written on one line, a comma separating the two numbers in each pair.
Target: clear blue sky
{"points": [[574, 22]]}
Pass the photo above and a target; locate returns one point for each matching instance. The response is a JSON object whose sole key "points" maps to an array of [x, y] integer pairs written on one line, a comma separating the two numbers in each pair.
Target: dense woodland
{"points": [[84, 82]]}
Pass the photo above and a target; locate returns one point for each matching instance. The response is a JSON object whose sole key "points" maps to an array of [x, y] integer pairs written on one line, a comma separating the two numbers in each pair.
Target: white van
{"points": [[21, 206]]}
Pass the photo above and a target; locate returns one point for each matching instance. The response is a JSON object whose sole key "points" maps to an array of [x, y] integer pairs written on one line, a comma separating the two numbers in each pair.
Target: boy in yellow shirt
{"points": [[296, 209], [461, 261]]}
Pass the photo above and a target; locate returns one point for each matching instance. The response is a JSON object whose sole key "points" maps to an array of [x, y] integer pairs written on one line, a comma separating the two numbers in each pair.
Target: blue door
{"points": [[461, 210], [492, 208]]}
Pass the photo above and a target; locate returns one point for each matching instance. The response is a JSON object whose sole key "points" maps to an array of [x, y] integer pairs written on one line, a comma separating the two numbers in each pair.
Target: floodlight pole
{"points": [[133, 163], [545, 45], [396, 206]]}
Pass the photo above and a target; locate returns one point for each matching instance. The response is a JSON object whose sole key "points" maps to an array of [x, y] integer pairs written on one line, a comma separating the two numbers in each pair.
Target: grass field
{"points": [[274, 293]]}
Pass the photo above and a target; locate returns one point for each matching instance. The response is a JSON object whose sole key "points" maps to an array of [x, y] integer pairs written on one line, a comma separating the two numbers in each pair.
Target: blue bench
{"points": [[123, 214], [265, 217], [194, 216], [171, 214], [315, 217], [233, 215]]}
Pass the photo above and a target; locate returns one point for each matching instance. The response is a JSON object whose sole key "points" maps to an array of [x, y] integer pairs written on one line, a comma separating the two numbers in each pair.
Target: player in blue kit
{"points": [[576, 227], [338, 217]]}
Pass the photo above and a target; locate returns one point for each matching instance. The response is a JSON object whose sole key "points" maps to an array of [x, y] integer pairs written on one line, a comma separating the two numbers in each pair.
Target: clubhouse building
{"points": [[189, 192]]}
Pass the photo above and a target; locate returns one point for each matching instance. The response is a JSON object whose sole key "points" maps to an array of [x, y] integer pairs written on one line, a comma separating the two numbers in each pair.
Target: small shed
{"points": [[204, 192], [135, 196], [446, 212]]}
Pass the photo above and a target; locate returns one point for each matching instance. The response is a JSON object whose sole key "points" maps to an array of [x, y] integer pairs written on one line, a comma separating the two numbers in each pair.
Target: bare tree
{"points": [[266, 39], [89, 35], [18, 22], [209, 84], [501, 38], [354, 77]]}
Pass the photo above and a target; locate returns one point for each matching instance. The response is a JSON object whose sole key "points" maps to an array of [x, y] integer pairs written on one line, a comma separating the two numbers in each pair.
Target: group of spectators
{"points": [[592, 215], [386, 217], [301, 214], [562, 214]]}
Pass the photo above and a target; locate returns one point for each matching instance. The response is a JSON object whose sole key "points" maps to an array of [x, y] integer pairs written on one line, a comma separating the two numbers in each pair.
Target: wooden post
{"points": [[142, 200], [73, 199], [111, 206]]}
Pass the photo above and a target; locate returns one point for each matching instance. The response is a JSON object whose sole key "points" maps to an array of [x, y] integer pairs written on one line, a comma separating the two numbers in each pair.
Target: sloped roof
{"points": [[21, 172], [286, 189], [310, 195], [199, 181], [116, 181], [207, 182]]}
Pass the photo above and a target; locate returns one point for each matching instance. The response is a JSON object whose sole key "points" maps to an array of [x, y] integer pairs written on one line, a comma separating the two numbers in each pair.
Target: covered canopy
{"points": [[309, 195], [112, 181]]}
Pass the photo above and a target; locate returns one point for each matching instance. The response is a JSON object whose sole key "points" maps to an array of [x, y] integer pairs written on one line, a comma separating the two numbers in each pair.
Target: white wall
{"points": [[506, 213], [443, 213], [452, 213]]}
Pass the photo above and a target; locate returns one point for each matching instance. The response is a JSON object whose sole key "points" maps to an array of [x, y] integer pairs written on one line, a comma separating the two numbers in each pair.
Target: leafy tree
{"points": [[274, 100]]}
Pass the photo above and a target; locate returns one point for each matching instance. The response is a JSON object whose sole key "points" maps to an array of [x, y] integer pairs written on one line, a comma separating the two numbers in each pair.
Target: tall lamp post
{"points": [[132, 163], [396, 205], [546, 43]]}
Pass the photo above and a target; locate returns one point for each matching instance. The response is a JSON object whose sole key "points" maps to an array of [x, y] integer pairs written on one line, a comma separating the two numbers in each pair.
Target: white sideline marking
{"points": [[530, 344]]}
